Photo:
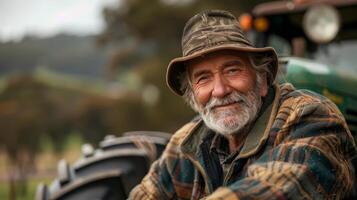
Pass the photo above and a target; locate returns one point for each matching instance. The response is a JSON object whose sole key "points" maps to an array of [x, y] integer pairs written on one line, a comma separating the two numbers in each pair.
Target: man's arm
{"points": [[155, 185], [310, 159], [158, 183]]}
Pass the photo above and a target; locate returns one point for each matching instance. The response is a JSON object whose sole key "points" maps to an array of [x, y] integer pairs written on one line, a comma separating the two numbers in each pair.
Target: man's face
{"points": [[226, 90]]}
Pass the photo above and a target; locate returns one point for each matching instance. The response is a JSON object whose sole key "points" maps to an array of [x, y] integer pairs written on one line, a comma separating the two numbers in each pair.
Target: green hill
{"points": [[63, 53]]}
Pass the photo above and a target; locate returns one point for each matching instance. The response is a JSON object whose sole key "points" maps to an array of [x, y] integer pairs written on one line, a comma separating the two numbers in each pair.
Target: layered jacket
{"points": [[299, 148]]}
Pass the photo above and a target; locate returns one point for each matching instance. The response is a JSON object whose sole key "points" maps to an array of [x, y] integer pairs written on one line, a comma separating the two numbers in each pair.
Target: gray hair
{"points": [[260, 63]]}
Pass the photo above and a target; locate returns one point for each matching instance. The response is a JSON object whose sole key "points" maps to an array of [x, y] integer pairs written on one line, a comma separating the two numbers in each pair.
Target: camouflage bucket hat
{"points": [[211, 31]]}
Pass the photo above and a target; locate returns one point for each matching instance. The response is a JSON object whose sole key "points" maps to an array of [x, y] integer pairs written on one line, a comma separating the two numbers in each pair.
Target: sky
{"points": [[45, 18]]}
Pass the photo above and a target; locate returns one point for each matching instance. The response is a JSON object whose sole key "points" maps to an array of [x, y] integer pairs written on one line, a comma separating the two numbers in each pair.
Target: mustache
{"points": [[234, 97]]}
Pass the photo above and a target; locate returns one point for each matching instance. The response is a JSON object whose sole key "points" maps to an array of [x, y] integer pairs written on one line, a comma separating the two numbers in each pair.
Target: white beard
{"points": [[227, 121]]}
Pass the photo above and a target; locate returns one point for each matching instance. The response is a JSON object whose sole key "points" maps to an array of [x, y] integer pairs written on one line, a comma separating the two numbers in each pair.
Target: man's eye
{"points": [[202, 79], [232, 70]]}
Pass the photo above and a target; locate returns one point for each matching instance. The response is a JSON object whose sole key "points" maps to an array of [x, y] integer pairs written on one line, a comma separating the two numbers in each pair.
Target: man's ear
{"points": [[263, 85]]}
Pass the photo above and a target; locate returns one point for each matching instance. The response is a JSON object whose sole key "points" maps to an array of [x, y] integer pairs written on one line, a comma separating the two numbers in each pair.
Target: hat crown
{"points": [[212, 31], [209, 29]]}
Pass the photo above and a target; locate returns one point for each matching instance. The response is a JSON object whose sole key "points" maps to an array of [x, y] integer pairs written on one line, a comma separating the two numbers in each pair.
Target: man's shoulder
{"points": [[299, 102], [173, 148], [289, 95], [179, 136]]}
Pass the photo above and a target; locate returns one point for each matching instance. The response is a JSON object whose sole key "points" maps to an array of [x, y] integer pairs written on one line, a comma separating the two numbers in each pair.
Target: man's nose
{"points": [[221, 87]]}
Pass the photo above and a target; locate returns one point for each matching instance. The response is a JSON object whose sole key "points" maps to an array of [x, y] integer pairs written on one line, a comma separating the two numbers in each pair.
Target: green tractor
{"points": [[317, 44]]}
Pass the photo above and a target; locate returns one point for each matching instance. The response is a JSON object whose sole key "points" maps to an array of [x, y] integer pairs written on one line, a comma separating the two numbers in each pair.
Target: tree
{"points": [[160, 21], [28, 113]]}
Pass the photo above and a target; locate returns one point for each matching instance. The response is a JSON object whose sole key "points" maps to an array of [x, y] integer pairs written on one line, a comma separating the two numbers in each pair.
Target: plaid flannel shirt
{"points": [[299, 148]]}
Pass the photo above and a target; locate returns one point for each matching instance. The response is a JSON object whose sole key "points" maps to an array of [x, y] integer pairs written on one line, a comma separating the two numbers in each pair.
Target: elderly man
{"points": [[253, 139]]}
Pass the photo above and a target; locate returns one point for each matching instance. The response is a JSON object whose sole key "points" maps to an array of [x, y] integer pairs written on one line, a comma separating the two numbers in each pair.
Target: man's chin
{"points": [[227, 126], [226, 131], [229, 118]]}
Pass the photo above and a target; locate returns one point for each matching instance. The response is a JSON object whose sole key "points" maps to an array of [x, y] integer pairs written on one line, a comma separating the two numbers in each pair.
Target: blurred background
{"points": [[73, 71]]}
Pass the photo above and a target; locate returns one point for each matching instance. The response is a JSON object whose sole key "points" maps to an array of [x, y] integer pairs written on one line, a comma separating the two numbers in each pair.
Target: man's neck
{"points": [[236, 140]]}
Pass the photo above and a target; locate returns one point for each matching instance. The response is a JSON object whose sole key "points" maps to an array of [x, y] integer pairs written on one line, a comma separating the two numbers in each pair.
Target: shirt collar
{"points": [[220, 145], [259, 133]]}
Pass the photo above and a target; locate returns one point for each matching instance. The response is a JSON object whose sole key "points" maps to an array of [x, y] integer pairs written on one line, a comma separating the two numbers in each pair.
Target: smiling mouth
{"points": [[226, 105]]}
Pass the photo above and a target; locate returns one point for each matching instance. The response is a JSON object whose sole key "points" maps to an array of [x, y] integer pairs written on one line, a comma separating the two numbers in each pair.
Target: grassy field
{"points": [[46, 168], [31, 188]]}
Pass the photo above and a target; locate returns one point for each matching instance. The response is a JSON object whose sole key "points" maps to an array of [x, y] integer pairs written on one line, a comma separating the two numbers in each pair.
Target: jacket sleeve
{"points": [[310, 159], [156, 184], [159, 182]]}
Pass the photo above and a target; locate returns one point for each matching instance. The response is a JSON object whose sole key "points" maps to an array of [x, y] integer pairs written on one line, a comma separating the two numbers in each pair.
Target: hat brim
{"points": [[176, 66]]}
